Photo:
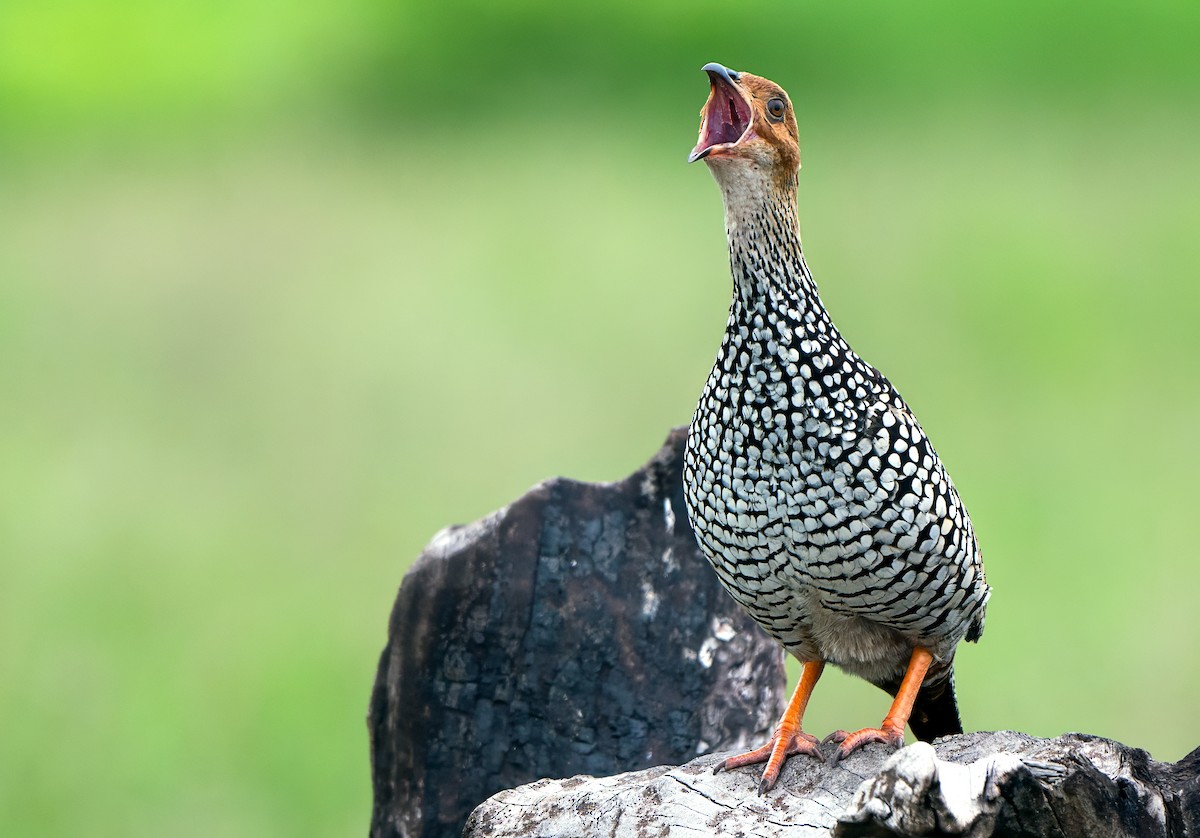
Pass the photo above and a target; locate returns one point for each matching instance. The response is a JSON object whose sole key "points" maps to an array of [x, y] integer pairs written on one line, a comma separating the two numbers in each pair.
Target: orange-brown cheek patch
{"points": [[787, 153]]}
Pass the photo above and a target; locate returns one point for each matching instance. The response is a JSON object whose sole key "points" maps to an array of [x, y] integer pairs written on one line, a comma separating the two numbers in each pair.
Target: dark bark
{"points": [[576, 631]]}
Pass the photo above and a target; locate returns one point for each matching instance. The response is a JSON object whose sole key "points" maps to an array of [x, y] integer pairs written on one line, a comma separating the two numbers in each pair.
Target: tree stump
{"points": [[578, 630]]}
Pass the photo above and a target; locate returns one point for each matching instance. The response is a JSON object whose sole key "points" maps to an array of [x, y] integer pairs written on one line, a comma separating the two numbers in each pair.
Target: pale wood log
{"points": [[973, 785]]}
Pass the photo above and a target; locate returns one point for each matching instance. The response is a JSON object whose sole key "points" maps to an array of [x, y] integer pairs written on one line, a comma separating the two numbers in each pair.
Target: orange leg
{"points": [[891, 731], [789, 739]]}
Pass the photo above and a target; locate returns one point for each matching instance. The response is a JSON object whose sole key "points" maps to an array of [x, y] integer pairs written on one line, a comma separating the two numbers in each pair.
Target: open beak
{"points": [[726, 117]]}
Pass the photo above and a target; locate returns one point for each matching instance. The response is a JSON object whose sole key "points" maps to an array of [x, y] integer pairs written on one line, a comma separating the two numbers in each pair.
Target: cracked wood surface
{"points": [[974, 785]]}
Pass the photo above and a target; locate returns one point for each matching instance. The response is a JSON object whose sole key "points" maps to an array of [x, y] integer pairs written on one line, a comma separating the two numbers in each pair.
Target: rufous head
{"points": [[747, 129]]}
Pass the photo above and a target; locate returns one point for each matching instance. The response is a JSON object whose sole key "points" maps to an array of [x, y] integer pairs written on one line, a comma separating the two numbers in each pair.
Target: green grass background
{"points": [[285, 288]]}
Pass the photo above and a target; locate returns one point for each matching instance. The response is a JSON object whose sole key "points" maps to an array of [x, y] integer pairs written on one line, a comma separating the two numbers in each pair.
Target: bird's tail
{"points": [[935, 712]]}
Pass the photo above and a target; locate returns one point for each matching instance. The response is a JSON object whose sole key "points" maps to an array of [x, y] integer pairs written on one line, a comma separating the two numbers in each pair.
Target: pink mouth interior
{"points": [[725, 119]]}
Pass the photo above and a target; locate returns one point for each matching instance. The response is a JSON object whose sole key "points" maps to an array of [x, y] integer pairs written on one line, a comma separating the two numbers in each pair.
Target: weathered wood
{"points": [[577, 630], [975, 785]]}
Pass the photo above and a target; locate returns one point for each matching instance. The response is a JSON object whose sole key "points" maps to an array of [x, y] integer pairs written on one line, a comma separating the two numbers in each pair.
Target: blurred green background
{"points": [[285, 288]]}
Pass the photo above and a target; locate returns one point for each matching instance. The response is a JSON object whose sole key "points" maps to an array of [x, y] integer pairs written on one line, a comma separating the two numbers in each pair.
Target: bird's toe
{"points": [[849, 743], [836, 736]]}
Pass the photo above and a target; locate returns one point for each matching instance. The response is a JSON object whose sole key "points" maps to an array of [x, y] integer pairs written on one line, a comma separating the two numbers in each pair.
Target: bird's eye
{"points": [[775, 109]]}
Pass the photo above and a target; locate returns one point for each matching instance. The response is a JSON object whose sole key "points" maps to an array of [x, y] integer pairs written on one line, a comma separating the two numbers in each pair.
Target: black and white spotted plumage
{"points": [[812, 488]]}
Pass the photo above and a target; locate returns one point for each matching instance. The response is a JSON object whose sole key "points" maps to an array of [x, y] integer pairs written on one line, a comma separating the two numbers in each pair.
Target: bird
{"points": [[812, 489]]}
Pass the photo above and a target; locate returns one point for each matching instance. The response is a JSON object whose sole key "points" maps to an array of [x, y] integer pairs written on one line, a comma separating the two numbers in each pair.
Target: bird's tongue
{"points": [[726, 119]]}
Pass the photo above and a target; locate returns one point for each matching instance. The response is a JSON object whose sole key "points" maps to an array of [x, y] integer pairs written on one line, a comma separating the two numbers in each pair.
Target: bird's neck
{"points": [[766, 259], [777, 323]]}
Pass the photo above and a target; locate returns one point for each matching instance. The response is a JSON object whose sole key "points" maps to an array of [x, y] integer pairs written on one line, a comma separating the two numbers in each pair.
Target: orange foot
{"points": [[774, 753], [891, 731], [850, 742], [789, 739]]}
